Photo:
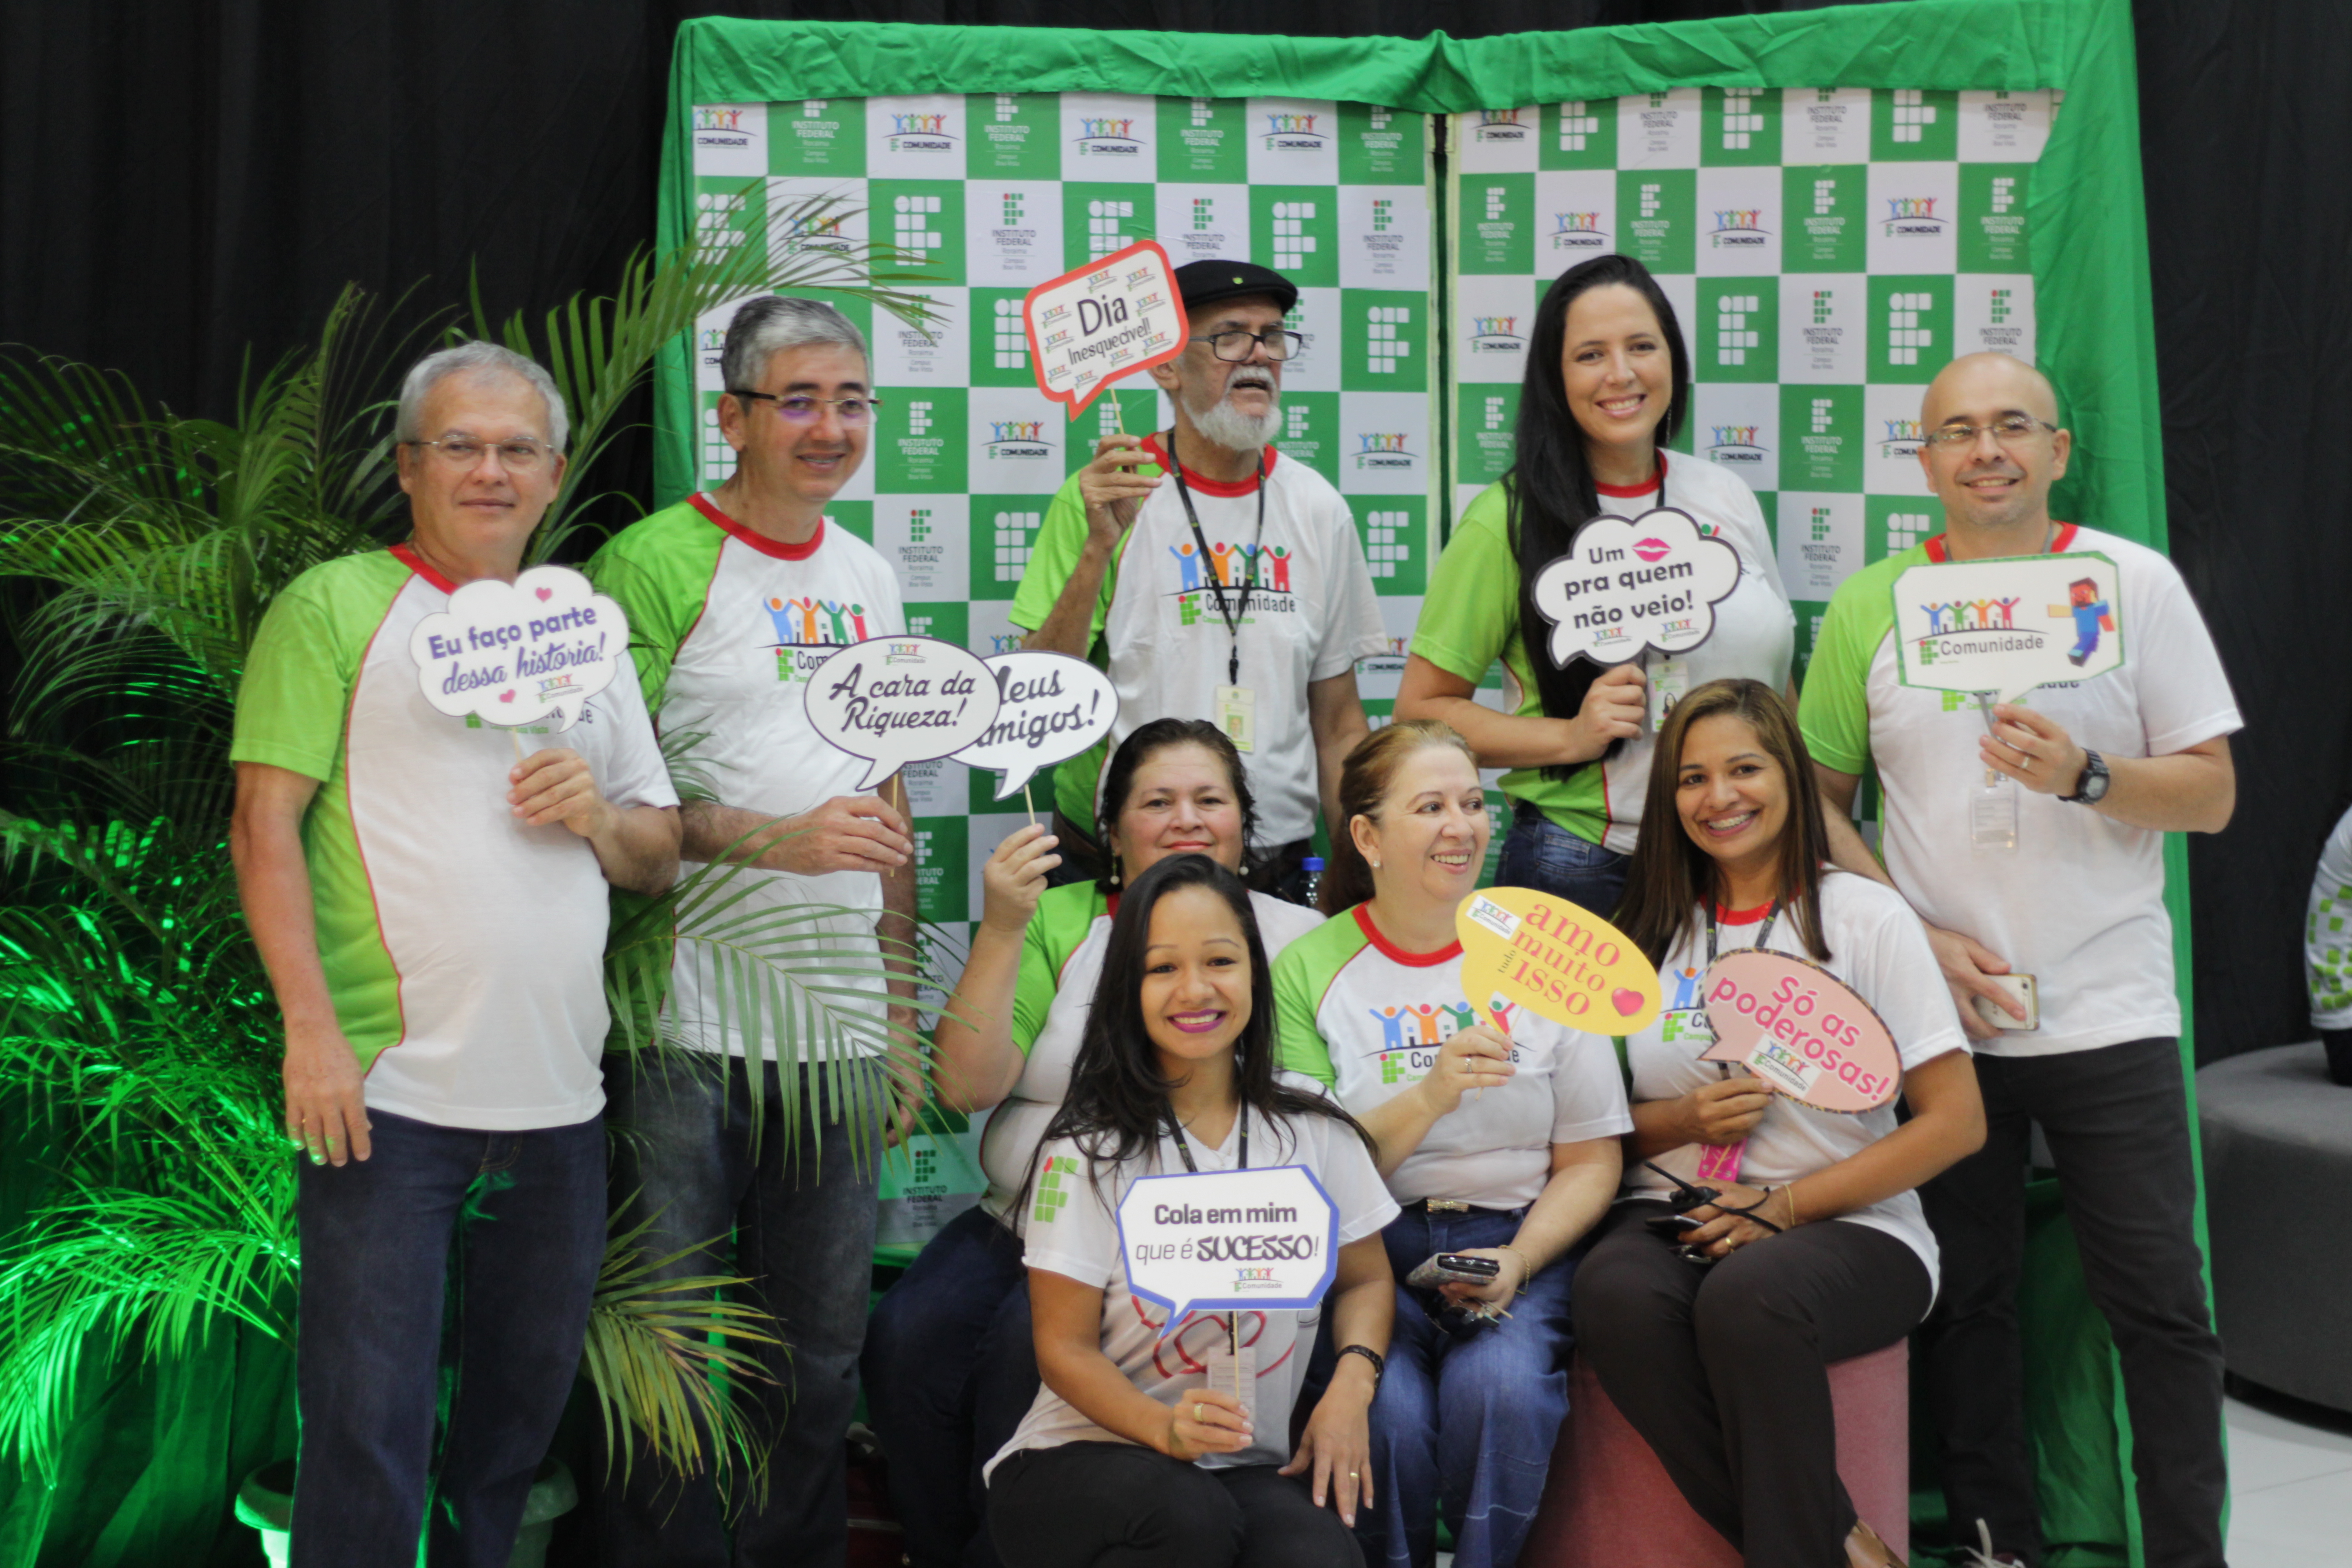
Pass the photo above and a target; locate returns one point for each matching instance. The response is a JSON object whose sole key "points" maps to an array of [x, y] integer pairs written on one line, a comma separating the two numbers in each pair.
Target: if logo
{"points": [[1650, 202], [1383, 214], [1498, 202], [1054, 1183], [918, 418], [718, 117], [911, 226], [1903, 530], [1824, 197], [1824, 411], [1384, 349], [1742, 118], [919, 625], [1007, 108], [1291, 244], [1106, 227], [1380, 119], [1821, 523], [1294, 425], [2004, 192], [1824, 303], [926, 1162], [1391, 1068], [2000, 306], [1495, 409], [1657, 100], [813, 108], [1204, 212], [1201, 112], [1733, 336], [918, 524], [1385, 549], [1905, 338], [1014, 531], [1015, 209], [1912, 114], [1576, 124]]}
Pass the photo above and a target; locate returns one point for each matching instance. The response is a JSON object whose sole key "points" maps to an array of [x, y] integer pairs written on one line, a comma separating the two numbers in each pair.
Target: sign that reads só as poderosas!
{"points": [[1100, 323]]}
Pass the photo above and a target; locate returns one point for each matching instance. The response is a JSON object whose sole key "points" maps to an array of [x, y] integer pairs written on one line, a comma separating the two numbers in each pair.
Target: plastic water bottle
{"points": [[1314, 892]]}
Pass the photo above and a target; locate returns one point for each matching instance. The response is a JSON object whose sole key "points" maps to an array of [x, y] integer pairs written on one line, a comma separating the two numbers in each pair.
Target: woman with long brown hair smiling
{"points": [[1715, 1340]]}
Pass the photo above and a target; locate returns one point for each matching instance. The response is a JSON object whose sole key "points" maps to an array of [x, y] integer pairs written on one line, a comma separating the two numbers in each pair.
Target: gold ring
{"points": [[1355, 1475], [1196, 1412]]}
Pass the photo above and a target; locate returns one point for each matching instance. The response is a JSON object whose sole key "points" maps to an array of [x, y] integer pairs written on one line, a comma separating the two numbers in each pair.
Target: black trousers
{"points": [[2116, 1119], [1116, 1505], [1724, 1368]]}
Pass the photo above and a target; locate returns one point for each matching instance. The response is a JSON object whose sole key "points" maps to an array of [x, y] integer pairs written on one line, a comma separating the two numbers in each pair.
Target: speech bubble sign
{"points": [[896, 701], [1630, 584], [1220, 1240], [2010, 624], [512, 653], [1525, 948], [1050, 707], [1801, 1029], [1103, 321]]}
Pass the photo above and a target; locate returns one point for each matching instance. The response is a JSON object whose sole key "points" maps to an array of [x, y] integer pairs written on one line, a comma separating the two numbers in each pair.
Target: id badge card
{"points": [[1234, 1373], [1992, 814], [1237, 716], [1669, 684]]}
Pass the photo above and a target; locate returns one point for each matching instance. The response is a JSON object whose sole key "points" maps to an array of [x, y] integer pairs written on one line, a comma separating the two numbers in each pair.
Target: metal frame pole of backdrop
{"points": [[1838, 201]]}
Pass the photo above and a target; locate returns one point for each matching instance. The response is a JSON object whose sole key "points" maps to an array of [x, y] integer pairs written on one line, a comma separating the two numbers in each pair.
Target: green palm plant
{"points": [[136, 1021]]}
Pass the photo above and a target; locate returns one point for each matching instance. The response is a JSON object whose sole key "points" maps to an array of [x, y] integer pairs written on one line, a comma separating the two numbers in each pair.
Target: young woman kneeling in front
{"points": [[1720, 1358], [1137, 1452]]}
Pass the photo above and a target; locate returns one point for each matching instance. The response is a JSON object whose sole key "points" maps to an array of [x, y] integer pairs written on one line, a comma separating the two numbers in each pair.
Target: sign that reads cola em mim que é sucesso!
{"points": [[1228, 1240]]}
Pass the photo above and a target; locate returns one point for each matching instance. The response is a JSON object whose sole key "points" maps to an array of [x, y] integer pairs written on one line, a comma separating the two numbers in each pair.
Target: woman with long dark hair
{"points": [[1607, 385], [1715, 1341], [1501, 1146], [947, 1362], [1137, 1451]]}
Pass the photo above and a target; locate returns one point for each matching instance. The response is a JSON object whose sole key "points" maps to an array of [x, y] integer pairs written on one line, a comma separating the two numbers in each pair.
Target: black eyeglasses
{"points": [[1235, 346]]}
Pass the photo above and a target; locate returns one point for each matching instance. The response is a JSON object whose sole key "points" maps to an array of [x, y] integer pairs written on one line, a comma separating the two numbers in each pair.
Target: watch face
{"points": [[2096, 779]]}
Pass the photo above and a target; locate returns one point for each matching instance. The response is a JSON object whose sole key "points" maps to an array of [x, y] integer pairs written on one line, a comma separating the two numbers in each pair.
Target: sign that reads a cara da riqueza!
{"points": [[1627, 585], [512, 653], [2010, 624], [896, 701], [1228, 1240], [1104, 320]]}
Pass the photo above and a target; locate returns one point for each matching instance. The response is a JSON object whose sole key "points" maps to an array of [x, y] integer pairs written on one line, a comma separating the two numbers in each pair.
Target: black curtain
{"points": [[184, 185]]}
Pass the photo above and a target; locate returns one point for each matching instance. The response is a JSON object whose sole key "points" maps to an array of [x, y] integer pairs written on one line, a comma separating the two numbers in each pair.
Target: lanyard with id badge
{"points": [[1231, 1364], [1236, 705], [1720, 1162]]}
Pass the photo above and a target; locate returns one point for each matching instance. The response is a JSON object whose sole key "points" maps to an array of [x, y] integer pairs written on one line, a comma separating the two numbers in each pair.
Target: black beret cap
{"points": [[1205, 282]]}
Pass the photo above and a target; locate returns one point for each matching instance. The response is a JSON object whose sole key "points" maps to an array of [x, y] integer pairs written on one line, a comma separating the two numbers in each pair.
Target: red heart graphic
{"points": [[505, 696], [1627, 999], [546, 593]]}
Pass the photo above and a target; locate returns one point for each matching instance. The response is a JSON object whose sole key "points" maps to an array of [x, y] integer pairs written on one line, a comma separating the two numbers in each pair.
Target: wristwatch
{"points": [[2092, 788]]}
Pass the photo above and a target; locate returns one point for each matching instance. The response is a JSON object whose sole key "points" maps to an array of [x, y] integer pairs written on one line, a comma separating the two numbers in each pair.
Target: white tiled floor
{"points": [[2290, 1487]]}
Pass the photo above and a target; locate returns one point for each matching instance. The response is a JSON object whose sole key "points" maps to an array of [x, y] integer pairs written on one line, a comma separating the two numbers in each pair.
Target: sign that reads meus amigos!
{"points": [[512, 653], [1227, 1240], [1104, 320], [1625, 587]]}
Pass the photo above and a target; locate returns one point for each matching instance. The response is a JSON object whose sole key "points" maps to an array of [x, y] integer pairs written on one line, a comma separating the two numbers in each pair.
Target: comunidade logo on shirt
{"points": [[1265, 570], [808, 630], [1411, 1033]]}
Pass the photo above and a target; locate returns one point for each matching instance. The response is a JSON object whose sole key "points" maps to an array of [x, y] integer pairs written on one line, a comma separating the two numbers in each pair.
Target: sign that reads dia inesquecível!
{"points": [[1104, 320]]}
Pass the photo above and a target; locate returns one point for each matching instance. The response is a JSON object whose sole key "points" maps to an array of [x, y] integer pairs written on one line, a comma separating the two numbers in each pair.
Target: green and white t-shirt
{"points": [[2328, 931], [1157, 630], [1061, 962], [1073, 1231], [1878, 949], [464, 951], [1366, 1019], [2079, 903], [1471, 617], [727, 625]]}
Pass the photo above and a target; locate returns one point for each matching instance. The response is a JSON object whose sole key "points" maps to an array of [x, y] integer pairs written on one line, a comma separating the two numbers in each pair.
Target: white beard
{"points": [[1229, 428]]}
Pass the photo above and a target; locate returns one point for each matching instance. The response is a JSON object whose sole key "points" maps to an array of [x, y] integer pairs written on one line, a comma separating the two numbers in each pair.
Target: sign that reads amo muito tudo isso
{"points": [[1228, 1240]]}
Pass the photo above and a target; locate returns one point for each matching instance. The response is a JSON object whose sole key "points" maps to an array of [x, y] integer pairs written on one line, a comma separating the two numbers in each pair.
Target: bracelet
{"points": [[1791, 1190], [1379, 1366], [1526, 1273]]}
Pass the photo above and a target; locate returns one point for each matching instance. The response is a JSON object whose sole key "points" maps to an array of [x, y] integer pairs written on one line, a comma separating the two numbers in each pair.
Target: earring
{"points": [[1113, 870], [1376, 865]]}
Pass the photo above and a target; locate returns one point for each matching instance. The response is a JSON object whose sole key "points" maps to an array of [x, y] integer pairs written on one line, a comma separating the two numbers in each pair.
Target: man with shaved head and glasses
{"points": [[2030, 838], [1213, 578], [735, 595], [430, 902]]}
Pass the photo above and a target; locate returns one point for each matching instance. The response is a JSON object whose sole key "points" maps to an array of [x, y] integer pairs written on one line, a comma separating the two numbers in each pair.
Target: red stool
{"points": [[1608, 1501]]}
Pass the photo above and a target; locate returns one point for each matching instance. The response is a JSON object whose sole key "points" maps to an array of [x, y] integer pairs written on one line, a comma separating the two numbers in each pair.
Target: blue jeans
{"points": [[684, 1155], [507, 1230], [950, 1369], [1540, 853], [1466, 1425]]}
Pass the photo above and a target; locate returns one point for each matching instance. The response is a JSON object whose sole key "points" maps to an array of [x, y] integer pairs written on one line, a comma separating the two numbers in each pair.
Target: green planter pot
{"points": [[266, 1501]]}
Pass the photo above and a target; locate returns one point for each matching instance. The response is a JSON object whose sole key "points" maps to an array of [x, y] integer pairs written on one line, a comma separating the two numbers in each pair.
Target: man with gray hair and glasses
{"points": [[2030, 838], [734, 597], [431, 912]]}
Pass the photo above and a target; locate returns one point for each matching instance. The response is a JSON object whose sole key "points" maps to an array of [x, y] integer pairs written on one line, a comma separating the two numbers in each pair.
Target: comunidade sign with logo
{"points": [[2008, 624], [1228, 1240], [512, 653], [1522, 947], [1627, 585], [1097, 323]]}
